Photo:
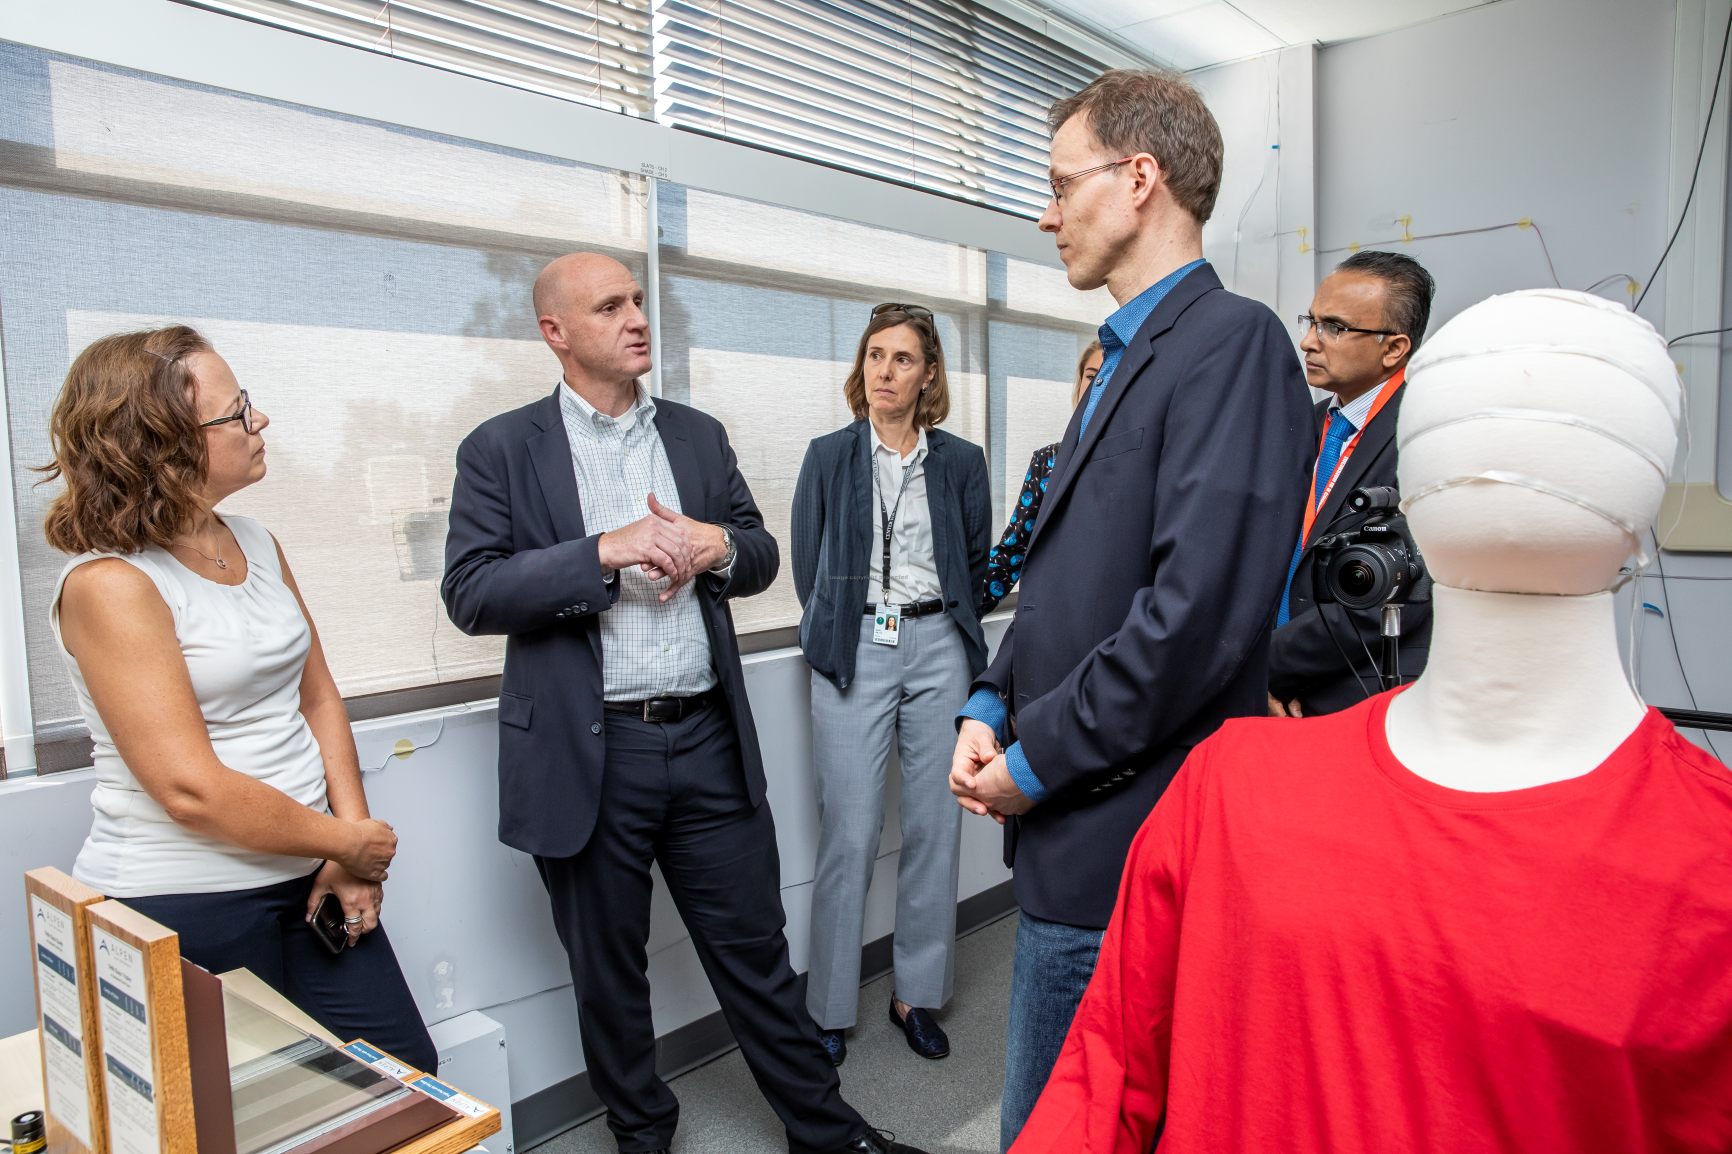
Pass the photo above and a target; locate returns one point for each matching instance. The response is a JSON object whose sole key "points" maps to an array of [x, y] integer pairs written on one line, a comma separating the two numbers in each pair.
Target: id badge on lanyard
{"points": [[887, 618]]}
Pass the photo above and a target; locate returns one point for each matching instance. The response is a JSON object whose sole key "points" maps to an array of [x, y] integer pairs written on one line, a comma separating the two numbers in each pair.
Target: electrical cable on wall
{"points": [[1524, 224], [1713, 102]]}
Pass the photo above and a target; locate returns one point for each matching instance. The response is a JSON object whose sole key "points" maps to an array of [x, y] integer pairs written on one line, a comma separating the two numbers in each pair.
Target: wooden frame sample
{"points": [[72, 1081], [141, 1026], [476, 1120]]}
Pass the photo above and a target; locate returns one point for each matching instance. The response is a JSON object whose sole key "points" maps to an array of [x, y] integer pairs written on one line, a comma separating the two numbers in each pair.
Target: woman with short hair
{"points": [[1004, 565], [892, 636], [228, 796]]}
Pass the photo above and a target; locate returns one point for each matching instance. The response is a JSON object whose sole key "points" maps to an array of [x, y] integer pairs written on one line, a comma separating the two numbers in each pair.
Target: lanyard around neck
{"points": [[1312, 508], [889, 514]]}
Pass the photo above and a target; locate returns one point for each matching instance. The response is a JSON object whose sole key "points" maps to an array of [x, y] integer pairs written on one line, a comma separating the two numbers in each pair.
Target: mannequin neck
{"points": [[1519, 690]]}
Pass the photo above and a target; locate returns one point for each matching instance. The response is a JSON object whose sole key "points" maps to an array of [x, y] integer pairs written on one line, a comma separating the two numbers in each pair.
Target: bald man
{"points": [[602, 531]]}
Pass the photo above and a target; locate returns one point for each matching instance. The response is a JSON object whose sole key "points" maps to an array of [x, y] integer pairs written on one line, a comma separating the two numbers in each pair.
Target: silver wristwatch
{"points": [[728, 561]]}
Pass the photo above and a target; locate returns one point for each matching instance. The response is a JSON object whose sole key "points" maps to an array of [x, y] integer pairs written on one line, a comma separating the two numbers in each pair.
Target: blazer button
{"points": [[595, 727], [581, 607]]}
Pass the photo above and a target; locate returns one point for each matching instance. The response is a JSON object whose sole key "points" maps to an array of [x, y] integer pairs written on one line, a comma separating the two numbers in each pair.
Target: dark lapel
{"points": [[938, 494], [857, 469], [1074, 449], [1377, 439], [671, 425], [550, 452]]}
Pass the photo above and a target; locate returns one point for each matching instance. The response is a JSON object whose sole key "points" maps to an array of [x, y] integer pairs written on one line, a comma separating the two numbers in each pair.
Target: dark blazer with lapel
{"points": [[1150, 584], [835, 531], [1305, 657], [519, 562]]}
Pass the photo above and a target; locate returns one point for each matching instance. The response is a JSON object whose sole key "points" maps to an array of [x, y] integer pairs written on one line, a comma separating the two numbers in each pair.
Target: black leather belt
{"points": [[917, 609], [662, 709]]}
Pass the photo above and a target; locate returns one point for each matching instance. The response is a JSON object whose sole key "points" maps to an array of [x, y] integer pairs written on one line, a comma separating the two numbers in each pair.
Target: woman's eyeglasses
{"points": [[916, 311], [245, 416]]}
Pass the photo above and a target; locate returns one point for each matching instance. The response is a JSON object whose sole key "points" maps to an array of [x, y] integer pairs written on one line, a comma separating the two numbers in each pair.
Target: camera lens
{"points": [[1365, 575], [1357, 579]]}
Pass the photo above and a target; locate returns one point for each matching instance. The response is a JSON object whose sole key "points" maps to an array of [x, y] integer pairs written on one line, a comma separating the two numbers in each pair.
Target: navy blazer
{"points": [[519, 562], [835, 531], [1150, 584], [1327, 664]]}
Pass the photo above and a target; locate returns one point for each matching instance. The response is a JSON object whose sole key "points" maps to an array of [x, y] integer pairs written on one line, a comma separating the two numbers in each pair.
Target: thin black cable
{"points": [[1702, 333], [1673, 630], [1351, 668], [1713, 100]]}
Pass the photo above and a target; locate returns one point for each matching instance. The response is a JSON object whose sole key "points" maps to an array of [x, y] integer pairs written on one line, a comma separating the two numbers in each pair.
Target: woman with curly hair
{"points": [[228, 800], [1004, 565]]}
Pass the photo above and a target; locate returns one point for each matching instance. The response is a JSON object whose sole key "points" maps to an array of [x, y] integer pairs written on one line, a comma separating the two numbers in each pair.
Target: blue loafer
{"points": [[834, 1046], [924, 1036]]}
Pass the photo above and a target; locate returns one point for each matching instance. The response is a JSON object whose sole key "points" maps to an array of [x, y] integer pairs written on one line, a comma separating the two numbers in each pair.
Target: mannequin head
{"points": [[1575, 402]]}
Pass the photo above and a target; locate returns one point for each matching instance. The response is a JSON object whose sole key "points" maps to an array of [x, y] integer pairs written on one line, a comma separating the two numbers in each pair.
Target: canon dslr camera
{"points": [[1375, 564]]}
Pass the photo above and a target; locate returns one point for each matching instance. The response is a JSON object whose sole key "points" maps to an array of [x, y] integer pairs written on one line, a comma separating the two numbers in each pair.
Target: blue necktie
{"points": [[1341, 431]]}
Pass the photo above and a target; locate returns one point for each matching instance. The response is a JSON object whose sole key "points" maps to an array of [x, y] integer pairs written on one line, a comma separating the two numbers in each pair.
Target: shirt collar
{"points": [[1124, 323], [879, 446], [1358, 409], [643, 408]]}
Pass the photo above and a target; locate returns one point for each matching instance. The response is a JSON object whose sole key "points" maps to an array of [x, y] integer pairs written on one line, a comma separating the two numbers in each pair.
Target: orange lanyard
{"points": [[1312, 508]]}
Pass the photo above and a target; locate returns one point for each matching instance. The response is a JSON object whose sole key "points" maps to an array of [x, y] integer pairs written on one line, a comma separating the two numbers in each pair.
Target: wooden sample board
{"points": [[72, 1072], [476, 1120], [141, 1026]]}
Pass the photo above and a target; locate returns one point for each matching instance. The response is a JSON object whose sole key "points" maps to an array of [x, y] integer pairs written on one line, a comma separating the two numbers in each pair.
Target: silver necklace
{"points": [[218, 559]]}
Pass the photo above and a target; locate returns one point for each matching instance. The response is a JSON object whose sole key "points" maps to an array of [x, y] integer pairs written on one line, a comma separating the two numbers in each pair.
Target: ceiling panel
{"points": [[1207, 34], [1197, 33]]}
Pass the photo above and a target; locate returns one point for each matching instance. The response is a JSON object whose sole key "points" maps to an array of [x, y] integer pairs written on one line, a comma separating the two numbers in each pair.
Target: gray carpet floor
{"points": [[949, 1106]]}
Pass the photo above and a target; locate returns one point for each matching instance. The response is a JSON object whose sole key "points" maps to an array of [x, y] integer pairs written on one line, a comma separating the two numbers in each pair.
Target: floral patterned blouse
{"points": [[1004, 563]]}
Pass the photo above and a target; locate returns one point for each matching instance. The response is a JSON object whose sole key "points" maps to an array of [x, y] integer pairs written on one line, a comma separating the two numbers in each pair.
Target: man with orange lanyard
{"points": [[1366, 319]]}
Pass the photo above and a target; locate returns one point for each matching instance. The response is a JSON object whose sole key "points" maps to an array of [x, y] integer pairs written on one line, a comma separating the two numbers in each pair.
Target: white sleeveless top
{"points": [[245, 646]]}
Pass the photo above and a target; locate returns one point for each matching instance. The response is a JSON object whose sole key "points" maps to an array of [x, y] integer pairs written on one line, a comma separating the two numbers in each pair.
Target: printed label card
{"points": [[66, 1010]]}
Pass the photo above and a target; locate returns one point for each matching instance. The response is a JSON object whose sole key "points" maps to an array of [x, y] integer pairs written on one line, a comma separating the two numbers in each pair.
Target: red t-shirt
{"points": [[1314, 949]]}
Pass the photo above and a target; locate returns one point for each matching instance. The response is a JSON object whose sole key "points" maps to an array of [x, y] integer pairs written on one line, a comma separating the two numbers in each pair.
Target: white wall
{"points": [[1556, 110], [467, 916]]}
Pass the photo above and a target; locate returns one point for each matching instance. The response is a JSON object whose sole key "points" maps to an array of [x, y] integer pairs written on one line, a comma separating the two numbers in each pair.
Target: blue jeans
{"points": [[1054, 963]]}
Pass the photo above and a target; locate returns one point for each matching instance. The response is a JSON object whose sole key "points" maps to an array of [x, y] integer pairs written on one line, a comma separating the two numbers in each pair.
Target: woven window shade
{"points": [[595, 52], [940, 94]]}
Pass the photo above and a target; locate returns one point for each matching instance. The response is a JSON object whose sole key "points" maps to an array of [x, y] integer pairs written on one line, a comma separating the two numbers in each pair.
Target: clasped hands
{"points": [[980, 777], [664, 544]]}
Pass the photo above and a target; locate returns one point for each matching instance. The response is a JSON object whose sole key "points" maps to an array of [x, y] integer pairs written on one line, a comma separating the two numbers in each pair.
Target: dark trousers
{"points": [[359, 993], [675, 793]]}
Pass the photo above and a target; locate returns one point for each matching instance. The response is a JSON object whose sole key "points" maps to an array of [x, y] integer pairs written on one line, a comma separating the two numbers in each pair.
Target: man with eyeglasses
{"points": [[1366, 319], [1151, 574]]}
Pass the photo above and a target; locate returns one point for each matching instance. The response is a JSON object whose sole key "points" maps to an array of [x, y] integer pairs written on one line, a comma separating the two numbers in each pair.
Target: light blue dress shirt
{"points": [[985, 706]]}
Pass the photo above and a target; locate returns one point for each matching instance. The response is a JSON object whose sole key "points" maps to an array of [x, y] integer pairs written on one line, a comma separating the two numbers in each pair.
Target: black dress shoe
{"points": [[924, 1036], [876, 1142], [834, 1046]]}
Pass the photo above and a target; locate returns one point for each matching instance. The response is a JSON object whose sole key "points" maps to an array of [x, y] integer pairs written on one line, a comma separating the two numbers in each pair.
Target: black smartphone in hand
{"points": [[328, 925]]}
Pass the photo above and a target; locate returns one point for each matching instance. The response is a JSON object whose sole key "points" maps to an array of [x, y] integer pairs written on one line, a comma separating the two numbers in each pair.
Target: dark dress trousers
{"points": [[598, 797], [1324, 655], [835, 531], [1150, 584]]}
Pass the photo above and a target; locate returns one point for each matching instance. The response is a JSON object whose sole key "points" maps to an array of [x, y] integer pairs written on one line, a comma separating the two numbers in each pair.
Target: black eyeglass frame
{"points": [[1310, 322], [919, 312], [245, 416]]}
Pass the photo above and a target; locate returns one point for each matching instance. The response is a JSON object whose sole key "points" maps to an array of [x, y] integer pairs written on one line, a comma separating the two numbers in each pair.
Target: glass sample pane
{"points": [[288, 1086]]}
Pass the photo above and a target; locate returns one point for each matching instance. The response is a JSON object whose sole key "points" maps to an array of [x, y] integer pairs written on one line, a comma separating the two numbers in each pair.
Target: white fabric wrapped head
{"points": [[1536, 436]]}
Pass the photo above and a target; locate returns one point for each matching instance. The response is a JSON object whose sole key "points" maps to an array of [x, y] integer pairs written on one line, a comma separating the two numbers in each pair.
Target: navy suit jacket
{"points": [[1306, 657], [1150, 584], [519, 562], [835, 531]]}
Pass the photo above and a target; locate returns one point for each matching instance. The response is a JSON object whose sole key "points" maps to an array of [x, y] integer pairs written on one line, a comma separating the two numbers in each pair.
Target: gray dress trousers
{"points": [[910, 692]]}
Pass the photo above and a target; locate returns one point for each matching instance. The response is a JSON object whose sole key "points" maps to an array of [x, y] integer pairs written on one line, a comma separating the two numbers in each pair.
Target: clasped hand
{"points": [[664, 544], [980, 777]]}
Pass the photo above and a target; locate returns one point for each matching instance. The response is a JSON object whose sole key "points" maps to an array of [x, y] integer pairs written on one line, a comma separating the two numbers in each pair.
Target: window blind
{"points": [[595, 52], [945, 95]]}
